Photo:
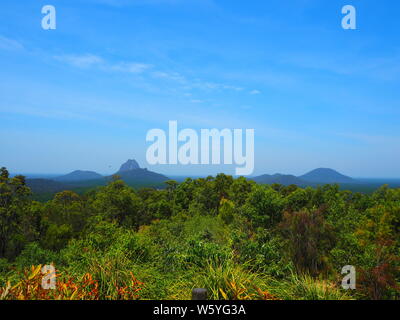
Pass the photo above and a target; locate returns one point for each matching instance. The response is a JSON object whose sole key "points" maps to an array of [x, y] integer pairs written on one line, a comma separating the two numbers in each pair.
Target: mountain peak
{"points": [[132, 174], [129, 165]]}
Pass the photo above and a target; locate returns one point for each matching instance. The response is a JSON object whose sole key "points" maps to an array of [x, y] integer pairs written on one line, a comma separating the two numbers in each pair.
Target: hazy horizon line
{"points": [[56, 174]]}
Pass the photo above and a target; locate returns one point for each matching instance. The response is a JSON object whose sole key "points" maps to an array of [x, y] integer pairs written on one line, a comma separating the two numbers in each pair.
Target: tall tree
{"points": [[14, 199]]}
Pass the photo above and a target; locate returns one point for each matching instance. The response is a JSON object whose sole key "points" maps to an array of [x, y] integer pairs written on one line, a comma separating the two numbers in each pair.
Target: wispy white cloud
{"points": [[189, 84], [214, 86], [130, 67], [94, 61], [174, 76], [174, 81], [10, 44], [81, 61], [253, 92], [196, 101]]}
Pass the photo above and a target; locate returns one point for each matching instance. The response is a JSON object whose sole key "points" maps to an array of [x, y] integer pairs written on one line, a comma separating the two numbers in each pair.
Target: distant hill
{"points": [[46, 186], [312, 178], [82, 181], [284, 179], [129, 171], [133, 175], [142, 176], [79, 175], [326, 175]]}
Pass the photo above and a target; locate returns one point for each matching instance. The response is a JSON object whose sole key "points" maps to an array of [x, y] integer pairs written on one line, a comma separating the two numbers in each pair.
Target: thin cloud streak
{"points": [[86, 61], [10, 44]]}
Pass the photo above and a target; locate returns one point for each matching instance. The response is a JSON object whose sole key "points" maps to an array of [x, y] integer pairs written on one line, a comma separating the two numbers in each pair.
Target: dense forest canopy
{"points": [[234, 237]]}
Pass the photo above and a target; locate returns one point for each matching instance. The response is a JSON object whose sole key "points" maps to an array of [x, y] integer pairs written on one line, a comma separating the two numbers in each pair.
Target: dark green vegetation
{"points": [[44, 189], [283, 179], [238, 239], [84, 181]]}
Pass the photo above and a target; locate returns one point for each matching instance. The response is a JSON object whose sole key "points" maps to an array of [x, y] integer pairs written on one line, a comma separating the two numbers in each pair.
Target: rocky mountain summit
{"points": [[129, 165]]}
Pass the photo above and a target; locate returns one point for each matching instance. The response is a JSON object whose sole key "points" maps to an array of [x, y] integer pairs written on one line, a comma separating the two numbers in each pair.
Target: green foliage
{"points": [[305, 287], [265, 251], [264, 206], [14, 205], [33, 254], [227, 211], [228, 281], [309, 240], [238, 239]]}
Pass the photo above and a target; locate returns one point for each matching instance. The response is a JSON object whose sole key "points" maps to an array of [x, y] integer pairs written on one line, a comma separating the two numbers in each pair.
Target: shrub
{"points": [[310, 238], [305, 287], [33, 254], [228, 281]]}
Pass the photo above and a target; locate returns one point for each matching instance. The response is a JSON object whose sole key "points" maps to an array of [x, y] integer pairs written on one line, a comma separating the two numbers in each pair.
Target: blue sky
{"points": [[83, 96]]}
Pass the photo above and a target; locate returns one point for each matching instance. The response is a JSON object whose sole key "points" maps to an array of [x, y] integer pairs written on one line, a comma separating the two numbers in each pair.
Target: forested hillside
{"points": [[234, 237]]}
